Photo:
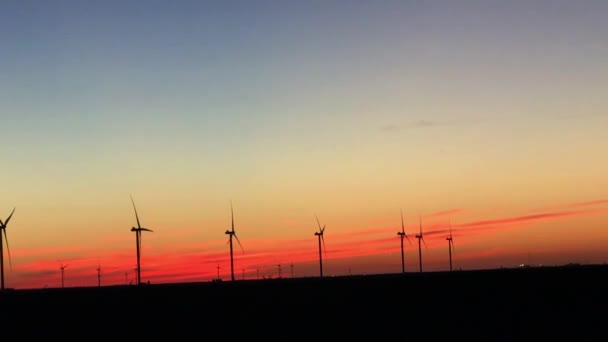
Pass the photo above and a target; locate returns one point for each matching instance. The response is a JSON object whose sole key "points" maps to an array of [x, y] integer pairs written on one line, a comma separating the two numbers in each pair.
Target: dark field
{"points": [[540, 304]]}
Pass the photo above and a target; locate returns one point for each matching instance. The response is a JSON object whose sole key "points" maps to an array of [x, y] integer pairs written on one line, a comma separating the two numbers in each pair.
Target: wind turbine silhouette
{"points": [[420, 238], [402, 235], [319, 235], [98, 269], [138, 231], [450, 245], [231, 234], [62, 267], [8, 251]]}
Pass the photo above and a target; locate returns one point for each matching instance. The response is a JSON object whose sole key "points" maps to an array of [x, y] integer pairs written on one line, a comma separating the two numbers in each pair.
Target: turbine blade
{"points": [[146, 230], [424, 242], [319, 223], [8, 250], [135, 209], [323, 229], [408, 239], [420, 219], [9, 217], [324, 249], [232, 215], [239, 242], [402, 224]]}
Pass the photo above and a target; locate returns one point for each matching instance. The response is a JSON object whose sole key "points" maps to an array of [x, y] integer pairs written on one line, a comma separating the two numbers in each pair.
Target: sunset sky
{"points": [[491, 115]]}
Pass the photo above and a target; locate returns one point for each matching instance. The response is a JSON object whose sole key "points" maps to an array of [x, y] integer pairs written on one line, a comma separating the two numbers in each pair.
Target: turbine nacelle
{"points": [[141, 230], [421, 238]]}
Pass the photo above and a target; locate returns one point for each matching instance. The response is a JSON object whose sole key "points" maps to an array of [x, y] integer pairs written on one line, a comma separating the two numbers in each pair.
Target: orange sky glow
{"points": [[479, 243]]}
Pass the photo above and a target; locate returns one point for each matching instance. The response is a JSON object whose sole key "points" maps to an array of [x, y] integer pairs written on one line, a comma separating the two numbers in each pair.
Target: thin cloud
{"points": [[600, 202], [426, 123], [591, 203], [390, 128], [536, 217], [445, 213], [415, 124]]}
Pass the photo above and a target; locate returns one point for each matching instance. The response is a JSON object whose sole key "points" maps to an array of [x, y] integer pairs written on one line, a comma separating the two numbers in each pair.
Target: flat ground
{"points": [[540, 304]]}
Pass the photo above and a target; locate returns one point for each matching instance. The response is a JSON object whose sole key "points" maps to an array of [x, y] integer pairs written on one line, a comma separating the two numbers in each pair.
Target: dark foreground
{"points": [[540, 304]]}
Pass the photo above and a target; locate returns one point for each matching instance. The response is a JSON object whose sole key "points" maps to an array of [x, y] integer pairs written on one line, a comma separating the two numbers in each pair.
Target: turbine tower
{"points": [[231, 233], [319, 235], [63, 267], [450, 246], [8, 251], [402, 235], [138, 231], [420, 239], [98, 269]]}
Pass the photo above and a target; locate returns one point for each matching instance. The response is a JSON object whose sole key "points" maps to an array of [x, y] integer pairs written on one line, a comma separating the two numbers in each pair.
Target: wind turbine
{"points": [[98, 269], [420, 239], [138, 231], [402, 235], [450, 245], [231, 234], [63, 267], [8, 251], [319, 235]]}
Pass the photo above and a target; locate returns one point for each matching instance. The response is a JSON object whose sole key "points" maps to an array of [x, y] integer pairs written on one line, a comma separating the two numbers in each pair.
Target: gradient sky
{"points": [[488, 114]]}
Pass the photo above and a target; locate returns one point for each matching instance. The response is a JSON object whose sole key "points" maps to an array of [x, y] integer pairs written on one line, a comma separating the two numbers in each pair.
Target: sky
{"points": [[488, 116]]}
